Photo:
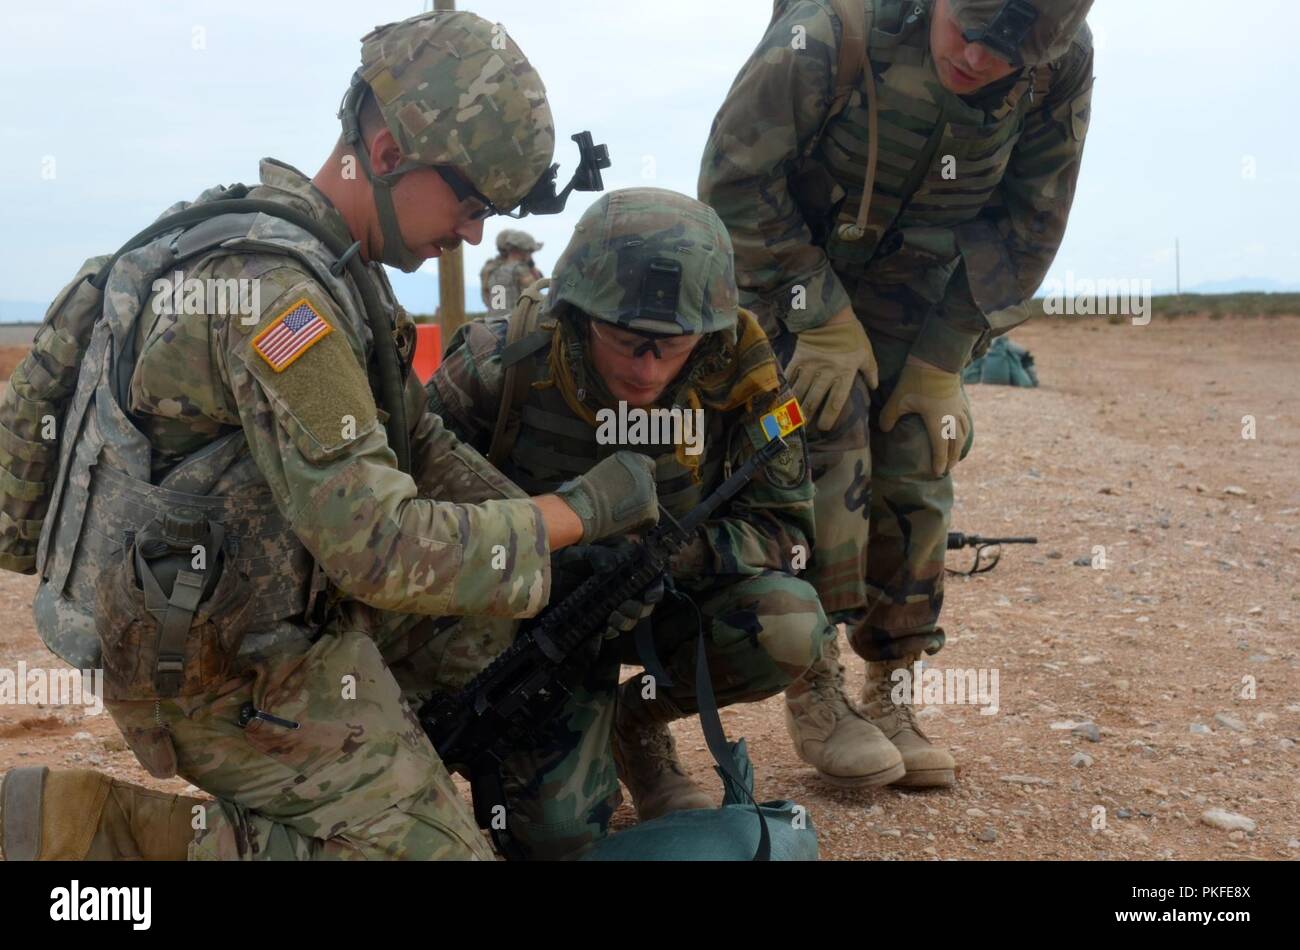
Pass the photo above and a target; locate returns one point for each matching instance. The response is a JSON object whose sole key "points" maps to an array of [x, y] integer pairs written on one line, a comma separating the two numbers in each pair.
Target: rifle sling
{"points": [[716, 738]]}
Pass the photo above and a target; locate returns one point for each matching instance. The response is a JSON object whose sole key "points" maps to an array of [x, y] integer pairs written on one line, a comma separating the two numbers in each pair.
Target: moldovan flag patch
{"points": [[783, 420], [290, 335]]}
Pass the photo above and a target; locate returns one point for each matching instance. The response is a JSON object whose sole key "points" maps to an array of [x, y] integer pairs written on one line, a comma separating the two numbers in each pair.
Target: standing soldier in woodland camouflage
{"points": [[510, 273], [896, 176], [232, 525], [642, 313]]}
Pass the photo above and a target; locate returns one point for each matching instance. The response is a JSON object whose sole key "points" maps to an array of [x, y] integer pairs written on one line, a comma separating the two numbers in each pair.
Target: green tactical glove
{"points": [[616, 496], [628, 614], [825, 360], [934, 395]]}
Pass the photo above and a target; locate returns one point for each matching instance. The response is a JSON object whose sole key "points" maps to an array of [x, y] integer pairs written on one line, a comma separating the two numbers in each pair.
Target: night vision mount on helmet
{"points": [[543, 199]]}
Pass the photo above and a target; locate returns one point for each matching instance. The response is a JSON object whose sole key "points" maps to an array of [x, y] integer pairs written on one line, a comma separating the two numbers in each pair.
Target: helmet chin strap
{"points": [[395, 252]]}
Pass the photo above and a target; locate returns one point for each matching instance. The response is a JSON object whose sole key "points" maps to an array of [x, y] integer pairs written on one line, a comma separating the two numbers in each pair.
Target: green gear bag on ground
{"points": [[728, 833], [1005, 364]]}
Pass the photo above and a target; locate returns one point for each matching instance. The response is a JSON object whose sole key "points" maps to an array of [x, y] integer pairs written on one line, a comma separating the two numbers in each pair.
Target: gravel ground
{"points": [[1181, 651]]}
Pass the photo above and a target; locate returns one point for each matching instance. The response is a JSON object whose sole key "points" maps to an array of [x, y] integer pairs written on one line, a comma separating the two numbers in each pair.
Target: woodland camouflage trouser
{"points": [[761, 633], [357, 778], [882, 518]]}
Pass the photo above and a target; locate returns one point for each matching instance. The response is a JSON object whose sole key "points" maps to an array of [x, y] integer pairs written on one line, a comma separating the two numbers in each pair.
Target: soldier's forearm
{"points": [[563, 526]]}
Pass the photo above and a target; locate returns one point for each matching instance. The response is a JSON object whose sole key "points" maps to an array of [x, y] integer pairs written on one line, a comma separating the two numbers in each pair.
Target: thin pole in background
{"points": [[451, 265]]}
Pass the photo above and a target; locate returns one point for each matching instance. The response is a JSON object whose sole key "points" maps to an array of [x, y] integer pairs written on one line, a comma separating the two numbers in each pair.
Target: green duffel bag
{"points": [[729, 833], [1005, 364]]}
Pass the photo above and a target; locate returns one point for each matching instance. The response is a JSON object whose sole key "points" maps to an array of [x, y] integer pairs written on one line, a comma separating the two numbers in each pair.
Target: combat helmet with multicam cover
{"points": [[518, 240], [1023, 32], [652, 261], [456, 92]]}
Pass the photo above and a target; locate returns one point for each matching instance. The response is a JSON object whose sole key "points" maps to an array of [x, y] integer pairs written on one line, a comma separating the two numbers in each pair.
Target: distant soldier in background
{"points": [[896, 176], [510, 273]]}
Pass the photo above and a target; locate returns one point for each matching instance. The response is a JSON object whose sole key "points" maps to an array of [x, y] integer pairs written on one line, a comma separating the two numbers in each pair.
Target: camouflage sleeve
{"points": [[443, 465], [314, 430], [776, 106], [465, 390], [1007, 250], [767, 523]]}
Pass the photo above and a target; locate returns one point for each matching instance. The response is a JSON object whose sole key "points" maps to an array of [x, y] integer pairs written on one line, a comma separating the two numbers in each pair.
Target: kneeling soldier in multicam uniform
{"points": [[329, 542], [642, 314]]}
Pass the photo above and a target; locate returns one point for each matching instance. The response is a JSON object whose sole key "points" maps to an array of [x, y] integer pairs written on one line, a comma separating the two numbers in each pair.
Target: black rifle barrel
{"points": [[958, 540]]}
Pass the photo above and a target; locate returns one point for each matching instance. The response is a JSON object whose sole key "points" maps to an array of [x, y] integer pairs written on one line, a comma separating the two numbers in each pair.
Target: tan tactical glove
{"points": [[825, 360], [616, 496], [935, 396]]}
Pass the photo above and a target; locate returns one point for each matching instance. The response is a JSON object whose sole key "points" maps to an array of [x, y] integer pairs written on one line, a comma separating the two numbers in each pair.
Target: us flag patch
{"points": [[290, 335]]}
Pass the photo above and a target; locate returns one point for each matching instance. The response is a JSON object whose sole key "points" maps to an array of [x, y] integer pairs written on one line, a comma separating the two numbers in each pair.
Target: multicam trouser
{"points": [[352, 775], [760, 634], [882, 518]]}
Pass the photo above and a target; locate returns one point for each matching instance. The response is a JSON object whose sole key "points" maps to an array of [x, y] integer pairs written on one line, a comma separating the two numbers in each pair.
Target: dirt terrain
{"points": [[1134, 443]]}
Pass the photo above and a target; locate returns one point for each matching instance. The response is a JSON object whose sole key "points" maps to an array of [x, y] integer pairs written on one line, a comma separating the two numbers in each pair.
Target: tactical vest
{"points": [[924, 131], [103, 493]]}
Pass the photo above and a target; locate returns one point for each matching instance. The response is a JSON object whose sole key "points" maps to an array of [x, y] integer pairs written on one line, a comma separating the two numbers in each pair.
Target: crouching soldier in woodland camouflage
{"points": [[232, 525], [896, 176], [641, 314], [508, 275]]}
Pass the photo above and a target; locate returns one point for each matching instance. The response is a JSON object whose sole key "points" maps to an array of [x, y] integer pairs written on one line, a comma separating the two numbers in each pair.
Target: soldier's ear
{"points": [[384, 153]]}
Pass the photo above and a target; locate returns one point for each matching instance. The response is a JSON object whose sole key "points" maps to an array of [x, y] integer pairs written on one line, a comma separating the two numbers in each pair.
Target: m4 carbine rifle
{"points": [[477, 727]]}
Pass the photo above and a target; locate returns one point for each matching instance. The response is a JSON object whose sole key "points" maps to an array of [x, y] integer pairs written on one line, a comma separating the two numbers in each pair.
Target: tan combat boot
{"points": [[928, 766], [82, 815], [646, 758], [832, 736]]}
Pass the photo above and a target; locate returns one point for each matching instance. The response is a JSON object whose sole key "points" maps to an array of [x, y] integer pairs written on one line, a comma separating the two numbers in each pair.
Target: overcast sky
{"points": [[1193, 132]]}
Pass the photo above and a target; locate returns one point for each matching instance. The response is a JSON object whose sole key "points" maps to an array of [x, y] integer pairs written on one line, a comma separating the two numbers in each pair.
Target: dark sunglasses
{"points": [[465, 192]]}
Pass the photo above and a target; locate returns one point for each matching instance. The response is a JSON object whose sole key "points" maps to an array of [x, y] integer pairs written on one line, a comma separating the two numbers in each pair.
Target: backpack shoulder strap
{"points": [[232, 201], [856, 19], [528, 333]]}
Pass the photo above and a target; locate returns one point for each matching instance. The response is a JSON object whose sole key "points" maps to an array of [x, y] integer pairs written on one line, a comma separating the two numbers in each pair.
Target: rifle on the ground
{"points": [[477, 727], [957, 540]]}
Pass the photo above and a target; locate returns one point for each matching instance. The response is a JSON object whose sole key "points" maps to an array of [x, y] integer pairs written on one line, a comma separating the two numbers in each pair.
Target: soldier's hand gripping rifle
{"points": [[958, 540], [480, 725]]}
